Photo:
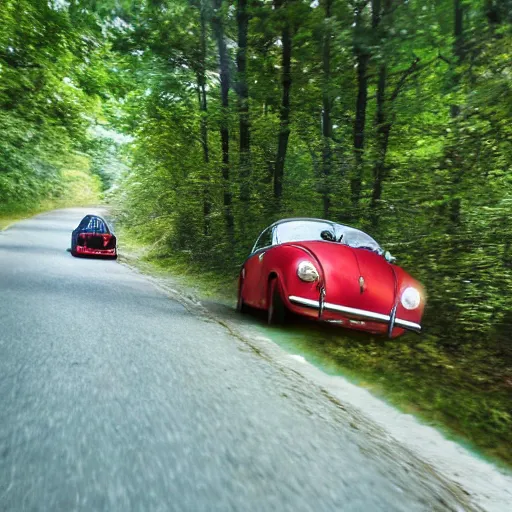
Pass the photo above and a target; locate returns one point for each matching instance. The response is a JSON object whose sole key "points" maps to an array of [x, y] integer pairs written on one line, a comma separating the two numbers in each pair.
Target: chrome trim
{"points": [[408, 325], [321, 302], [392, 320], [379, 317]]}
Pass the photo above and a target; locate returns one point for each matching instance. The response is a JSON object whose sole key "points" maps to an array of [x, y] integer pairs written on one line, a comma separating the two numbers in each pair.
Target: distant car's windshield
{"points": [[310, 230]]}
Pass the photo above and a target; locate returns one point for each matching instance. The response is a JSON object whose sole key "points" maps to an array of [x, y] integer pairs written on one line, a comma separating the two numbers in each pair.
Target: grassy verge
{"points": [[204, 283], [460, 393], [467, 394], [79, 188]]}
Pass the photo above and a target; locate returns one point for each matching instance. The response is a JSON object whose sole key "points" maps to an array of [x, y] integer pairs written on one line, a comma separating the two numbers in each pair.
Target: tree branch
{"points": [[413, 68], [406, 74], [444, 59]]}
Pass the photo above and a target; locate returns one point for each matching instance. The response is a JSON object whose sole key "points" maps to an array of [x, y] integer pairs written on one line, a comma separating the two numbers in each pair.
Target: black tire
{"points": [[277, 314], [241, 307], [72, 250]]}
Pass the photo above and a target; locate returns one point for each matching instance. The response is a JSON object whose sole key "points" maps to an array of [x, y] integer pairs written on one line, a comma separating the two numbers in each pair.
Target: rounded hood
{"points": [[358, 278]]}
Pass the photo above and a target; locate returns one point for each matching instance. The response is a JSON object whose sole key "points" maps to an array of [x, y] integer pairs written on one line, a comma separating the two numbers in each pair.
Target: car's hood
{"points": [[357, 278]]}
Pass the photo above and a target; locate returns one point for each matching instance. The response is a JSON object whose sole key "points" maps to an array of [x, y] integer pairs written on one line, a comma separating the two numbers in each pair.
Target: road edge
{"points": [[284, 361]]}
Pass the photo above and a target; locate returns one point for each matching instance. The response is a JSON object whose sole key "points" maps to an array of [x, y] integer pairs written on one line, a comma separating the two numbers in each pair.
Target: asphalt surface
{"points": [[115, 397]]}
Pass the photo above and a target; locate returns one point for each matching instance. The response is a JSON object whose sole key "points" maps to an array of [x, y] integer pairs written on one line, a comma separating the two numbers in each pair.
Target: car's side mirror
{"points": [[389, 258]]}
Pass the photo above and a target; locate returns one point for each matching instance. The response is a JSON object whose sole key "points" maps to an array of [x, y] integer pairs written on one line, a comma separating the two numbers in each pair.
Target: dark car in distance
{"points": [[94, 237]]}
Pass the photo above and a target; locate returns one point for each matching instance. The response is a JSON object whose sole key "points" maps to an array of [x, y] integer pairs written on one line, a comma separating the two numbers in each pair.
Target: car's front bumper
{"points": [[354, 312]]}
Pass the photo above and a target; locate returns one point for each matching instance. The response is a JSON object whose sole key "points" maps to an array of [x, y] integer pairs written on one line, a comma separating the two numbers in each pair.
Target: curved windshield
{"points": [[92, 225], [311, 230], [358, 239]]}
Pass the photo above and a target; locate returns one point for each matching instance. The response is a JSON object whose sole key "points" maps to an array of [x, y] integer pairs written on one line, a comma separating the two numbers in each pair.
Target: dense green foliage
{"points": [[390, 115], [52, 80]]}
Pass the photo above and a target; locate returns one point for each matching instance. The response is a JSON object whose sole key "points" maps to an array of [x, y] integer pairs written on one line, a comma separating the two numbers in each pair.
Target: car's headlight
{"points": [[307, 271], [411, 298]]}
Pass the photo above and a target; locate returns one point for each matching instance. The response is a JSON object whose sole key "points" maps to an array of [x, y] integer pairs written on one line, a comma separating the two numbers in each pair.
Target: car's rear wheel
{"points": [[241, 307], [277, 314]]}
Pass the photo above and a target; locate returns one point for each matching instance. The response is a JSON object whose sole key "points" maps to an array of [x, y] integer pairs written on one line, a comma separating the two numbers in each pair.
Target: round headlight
{"points": [[411, 298], [307, 271]]}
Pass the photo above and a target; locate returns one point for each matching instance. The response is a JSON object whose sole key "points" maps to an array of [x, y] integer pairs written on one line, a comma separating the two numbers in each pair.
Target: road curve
{"points": [[114, 397]]}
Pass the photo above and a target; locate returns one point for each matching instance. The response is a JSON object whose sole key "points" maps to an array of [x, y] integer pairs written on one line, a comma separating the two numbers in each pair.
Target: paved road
{"points": [[113, 397]]}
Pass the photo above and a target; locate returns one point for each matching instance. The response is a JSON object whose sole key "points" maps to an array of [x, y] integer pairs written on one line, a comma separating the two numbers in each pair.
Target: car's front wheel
{"points": [[277, 314]]}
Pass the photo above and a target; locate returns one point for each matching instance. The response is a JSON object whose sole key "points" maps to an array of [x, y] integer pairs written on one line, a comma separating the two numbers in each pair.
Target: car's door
{"points": [[253, 269]]}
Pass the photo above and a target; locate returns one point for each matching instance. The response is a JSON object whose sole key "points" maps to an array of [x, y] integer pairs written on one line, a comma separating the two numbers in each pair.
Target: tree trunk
{"points": [[498, 12], [362, 57], [454, 156], [284, 117], [203, 108], [381, 122], [326, 112], [383, 131], [384, 117], [243, 103], [218, 28], [458, 31]]}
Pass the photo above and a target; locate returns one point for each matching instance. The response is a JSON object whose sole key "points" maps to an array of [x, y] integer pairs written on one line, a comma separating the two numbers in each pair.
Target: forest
{"points": [[202, 121]]}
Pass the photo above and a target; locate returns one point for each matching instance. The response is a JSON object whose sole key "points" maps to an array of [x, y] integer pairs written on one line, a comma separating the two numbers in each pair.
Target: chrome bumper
{"points": [[361, 313]]}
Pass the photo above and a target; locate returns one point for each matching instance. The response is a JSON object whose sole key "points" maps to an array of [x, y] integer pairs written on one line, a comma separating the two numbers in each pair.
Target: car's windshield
{"points": [[311, 230]]}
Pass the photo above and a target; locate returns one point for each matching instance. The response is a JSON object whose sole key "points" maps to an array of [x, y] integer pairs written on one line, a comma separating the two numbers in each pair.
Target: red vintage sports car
{"points": [[93, 237], [330, 272]]}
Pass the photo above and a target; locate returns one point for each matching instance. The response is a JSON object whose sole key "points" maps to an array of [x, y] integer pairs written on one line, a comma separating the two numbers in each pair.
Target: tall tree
{"points": [[383, 126], [326, 109], [203, 107], [454, 156], [243, 102], [385, 114], [362, 57], [218, 29], [284, 114]]}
